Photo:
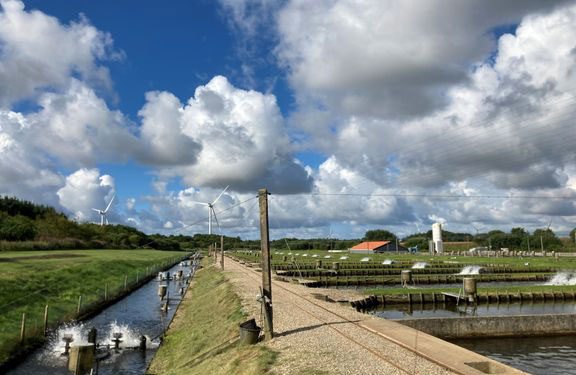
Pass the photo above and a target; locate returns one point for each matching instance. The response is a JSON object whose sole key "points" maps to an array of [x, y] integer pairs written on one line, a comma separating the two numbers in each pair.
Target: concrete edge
{"points": [[443, 353]]}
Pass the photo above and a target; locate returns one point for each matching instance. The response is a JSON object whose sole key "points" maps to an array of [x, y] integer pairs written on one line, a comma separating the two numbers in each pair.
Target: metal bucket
{"points": [[249, 332]]}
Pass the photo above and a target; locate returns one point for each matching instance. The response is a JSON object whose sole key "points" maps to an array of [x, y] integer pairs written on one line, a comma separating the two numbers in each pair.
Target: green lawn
{"points": [[30, 280]]}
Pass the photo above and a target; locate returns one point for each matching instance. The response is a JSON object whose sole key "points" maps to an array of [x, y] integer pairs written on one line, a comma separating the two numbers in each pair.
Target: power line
{"points": [[455, 196]]}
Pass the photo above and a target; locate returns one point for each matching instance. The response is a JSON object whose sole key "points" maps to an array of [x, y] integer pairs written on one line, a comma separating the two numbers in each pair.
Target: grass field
{"points": [[30, 280], [201, 340]]}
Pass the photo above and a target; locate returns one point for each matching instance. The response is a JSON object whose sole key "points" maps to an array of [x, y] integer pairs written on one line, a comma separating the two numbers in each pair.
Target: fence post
{"points": [[23, 328], [46, 320], [137, 277], [106, 292], [79, 305], [125, 282]]}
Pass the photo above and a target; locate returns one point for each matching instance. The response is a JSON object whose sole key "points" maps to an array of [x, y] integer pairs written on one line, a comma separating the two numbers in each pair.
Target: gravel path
{"points": [[311, 339]]}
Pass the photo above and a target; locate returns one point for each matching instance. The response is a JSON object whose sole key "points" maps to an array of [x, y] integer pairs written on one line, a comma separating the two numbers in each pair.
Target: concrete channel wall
{"points": [[495, 326]]}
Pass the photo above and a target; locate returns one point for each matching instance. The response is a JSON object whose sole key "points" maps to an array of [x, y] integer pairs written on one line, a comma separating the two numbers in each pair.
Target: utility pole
{"points": [[266, 274]]}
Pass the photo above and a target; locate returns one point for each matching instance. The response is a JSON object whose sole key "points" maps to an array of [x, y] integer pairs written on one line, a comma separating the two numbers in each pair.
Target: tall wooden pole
{"points": [[266, 273], [222, 251]]}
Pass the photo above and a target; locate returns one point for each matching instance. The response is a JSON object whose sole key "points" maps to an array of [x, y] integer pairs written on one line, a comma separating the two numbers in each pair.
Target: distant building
{"points": [[371, 247]]}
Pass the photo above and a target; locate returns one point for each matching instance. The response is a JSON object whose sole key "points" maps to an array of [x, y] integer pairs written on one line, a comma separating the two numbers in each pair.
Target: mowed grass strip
{"points": [[30, 280], [202, 339]]}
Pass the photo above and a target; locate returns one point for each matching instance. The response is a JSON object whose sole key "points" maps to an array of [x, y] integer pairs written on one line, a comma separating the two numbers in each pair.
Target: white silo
{"points": [[437, 238]]}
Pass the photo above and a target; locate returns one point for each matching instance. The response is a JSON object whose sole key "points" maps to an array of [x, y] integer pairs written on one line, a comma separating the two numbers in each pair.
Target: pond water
{"points": [[137, 314], [536, 355]]}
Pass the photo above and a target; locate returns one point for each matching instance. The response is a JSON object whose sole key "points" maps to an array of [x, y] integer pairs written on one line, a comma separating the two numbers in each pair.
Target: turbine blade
{"points": [[109, 204], [202, 203], [223, 191], [97, 210], [107, 223]]}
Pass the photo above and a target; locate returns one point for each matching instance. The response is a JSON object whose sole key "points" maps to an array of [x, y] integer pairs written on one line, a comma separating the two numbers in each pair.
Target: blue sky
{"points": [[355, 117]]}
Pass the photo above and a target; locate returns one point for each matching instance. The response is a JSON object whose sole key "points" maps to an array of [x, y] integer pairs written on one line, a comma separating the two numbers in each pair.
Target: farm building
{"points": [[371, 247]]}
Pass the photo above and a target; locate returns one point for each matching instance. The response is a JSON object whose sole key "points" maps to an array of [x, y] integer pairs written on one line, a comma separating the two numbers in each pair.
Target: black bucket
{"points": [[249, 332]]}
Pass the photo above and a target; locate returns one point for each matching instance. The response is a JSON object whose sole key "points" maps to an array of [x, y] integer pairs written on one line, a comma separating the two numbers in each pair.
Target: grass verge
{"points": [[202, 339]]}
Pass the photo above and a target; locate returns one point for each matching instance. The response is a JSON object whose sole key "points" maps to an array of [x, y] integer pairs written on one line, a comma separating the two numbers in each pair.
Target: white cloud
{"points": [[241, 136], [388, 58], [79, 129], [84, 190], [38, 52]]}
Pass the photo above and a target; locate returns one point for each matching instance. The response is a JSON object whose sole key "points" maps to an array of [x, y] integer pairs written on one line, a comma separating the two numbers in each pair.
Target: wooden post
{"points": [[106, 292], [222, 251], [125, 282], [79, 305], [46, 320], [23, 328], [137, 277], [266, 272]]}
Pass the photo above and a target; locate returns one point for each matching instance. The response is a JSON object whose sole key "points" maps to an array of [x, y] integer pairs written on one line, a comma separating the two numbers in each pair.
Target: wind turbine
{"points": [[104, 212], [211, 210]]}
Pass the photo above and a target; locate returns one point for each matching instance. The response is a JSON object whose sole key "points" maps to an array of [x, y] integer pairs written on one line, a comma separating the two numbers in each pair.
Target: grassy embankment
{"points": [[30, 280], [203, 337]]}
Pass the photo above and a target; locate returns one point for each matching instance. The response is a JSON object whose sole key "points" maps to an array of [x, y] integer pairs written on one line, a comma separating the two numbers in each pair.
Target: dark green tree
{"points": [[379, 235]]}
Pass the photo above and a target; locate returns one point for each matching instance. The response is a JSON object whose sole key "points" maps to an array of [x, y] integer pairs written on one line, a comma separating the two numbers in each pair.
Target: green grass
{"points": [[30, 280], [202, 338], [481, 290]]}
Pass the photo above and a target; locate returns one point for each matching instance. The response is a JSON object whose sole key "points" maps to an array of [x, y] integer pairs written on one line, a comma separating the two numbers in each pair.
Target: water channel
{"points": [[139, 313]]}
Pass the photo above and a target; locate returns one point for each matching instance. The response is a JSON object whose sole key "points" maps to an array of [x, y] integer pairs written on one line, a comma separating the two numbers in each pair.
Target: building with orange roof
{"points": [[370, 247]]}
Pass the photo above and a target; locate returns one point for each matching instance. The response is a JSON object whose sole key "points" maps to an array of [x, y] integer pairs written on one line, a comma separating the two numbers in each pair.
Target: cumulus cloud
{"points": [[392, 59], [225, 136], [84, 190], [161, 131], [79, 129], [29, 61]]}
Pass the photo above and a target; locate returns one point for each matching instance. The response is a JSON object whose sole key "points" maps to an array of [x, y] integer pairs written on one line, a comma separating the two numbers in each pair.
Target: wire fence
{"points": [[27, 320]]}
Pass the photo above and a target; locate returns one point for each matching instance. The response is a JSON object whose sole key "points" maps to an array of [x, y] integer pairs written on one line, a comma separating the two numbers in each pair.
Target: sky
{"points": [[355, 115]]}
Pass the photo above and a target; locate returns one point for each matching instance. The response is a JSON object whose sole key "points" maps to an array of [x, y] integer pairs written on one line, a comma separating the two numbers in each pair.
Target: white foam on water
{"points": [[470, 270], [419, 265], [315, 256], [129, 337], [327, 256], [562, 278], [75, 330]]}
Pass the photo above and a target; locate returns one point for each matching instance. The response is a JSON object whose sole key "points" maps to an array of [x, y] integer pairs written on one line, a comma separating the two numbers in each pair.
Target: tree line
{"points": [[25, 225]]}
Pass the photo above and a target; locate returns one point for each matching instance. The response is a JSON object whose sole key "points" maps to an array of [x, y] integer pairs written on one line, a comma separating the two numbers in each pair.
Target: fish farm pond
{"points": [[455, 285]]}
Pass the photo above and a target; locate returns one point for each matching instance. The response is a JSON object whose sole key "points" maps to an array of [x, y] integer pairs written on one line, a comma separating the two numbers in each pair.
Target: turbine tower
{"points": [[211, 210], [104, 212]]}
